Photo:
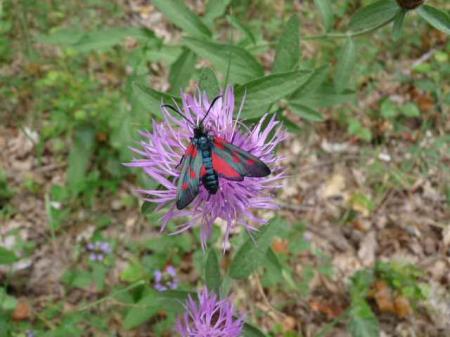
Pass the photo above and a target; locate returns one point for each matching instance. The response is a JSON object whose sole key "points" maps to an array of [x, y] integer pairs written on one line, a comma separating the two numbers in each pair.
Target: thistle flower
{"points": [[209, 317], [98, 250], [162, 149], [167, 279]]}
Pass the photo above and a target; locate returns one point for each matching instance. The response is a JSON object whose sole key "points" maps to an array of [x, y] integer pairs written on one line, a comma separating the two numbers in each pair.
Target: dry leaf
{"points": [[22, 311], [280, 245], [334, 187], [382, 294], [367, 249], [402, 307]]}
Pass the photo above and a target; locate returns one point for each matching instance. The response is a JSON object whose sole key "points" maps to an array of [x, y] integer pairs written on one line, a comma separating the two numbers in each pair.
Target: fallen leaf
{"points": [[402, 307], [22, 311], [367, 249], [280, 245], [334, 187], [382, 294]]}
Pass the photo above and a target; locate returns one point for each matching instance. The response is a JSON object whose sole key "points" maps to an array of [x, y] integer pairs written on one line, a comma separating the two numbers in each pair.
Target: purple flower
{"points": [[209, 317], [98, 250], [162, 149], [166, 280], [30, 333]]}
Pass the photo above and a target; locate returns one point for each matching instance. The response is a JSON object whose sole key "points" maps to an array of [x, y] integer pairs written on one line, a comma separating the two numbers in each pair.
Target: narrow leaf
{"points": [[215, 9], [243, 66], [148, 98], [363, 322], [212, 272], [180, 15], [262, 92], [287, 53], [435, 17], [313, 82], [325, 10], [306, 112], [252, 253], [398, 24], [7, 256], [325, 96], [80, 156], [251, 331], [346, 62], [234, 21], [153, 302], [374, 15], [181, 71], [208, 82]]}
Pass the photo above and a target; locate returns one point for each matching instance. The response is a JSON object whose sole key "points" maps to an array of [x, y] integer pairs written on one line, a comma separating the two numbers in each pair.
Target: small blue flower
{"points": [[98, 250], [165, 280]]}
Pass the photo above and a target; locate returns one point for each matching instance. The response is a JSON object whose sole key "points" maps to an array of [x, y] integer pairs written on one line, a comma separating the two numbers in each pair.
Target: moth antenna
{"points": [[209, 109], [239, 114], [178, 112]]}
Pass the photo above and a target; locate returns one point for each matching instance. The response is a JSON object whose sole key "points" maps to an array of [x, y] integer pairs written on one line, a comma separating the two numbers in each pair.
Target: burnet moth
{"points": [[209, 157]]}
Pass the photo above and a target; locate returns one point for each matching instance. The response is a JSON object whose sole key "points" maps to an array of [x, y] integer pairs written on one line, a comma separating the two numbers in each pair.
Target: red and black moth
{"points": [[209, 157]]}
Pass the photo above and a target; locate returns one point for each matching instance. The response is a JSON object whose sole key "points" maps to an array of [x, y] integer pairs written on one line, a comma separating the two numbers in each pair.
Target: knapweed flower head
{"points": [[209, 317], [98, 250], [166, 279], [163, 147]]}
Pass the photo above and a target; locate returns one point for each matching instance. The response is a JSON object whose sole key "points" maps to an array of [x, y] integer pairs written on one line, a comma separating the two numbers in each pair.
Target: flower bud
{"points": [[410, 4]]}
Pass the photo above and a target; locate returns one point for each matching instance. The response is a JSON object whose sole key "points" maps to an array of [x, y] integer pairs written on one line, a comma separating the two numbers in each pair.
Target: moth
{"points": [[209, 157]]}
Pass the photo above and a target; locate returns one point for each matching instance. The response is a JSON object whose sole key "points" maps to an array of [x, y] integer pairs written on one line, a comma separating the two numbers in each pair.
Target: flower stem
{"points": [[346, 34]]}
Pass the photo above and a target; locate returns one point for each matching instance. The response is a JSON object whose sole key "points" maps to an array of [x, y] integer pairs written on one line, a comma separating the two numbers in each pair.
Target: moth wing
{"points": [[233, 163], [189, 180]]}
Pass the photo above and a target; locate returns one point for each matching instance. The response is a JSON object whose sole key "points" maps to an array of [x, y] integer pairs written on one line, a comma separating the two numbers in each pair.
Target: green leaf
{"points": [[388, 109], [153, 302], [314, 81], [7, 256], [85, 42], [243, 67], [182, 70], [212, 271], [251, 331], [287, 53], [361, 282], [215, 9], [7, 302], [374, 15], [398, 24], [363, 322], [325, 10], [208, 82], [253, 252], [410, 110], [234, 21], [264, 91], [345, 65], [306, 112], [325, 96], [148, 98], [181, 16], [80, 157], [143, 310], [435, 17]]}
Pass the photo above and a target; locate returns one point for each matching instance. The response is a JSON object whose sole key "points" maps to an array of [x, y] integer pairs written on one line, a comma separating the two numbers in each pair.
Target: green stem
{"points": [[347, 34], [101, 300]]}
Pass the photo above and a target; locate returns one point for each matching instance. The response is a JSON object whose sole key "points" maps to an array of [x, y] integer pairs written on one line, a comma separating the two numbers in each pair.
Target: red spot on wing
{"points": [[250, 161], [192, 151], [192, 174], [203, 171], [218, 142], [223, 168], [185, 186]]}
